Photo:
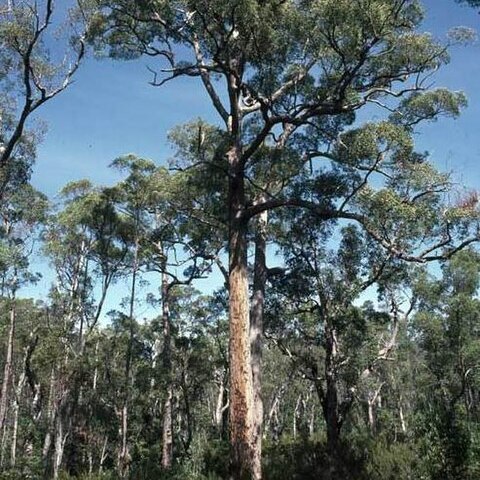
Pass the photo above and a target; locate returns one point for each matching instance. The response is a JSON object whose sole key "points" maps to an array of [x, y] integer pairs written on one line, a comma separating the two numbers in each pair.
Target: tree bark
{"points": [[18, 392], [124, 454], [241, 383], [16, 408], [221, 404], [167, 421], [7, 369], [60, 439], [47, 442], [256, 337], [330, 402]]}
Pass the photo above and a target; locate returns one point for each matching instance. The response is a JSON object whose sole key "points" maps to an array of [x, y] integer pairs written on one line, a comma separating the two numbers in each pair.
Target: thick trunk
{"points": [[7, 369], [241, 385], [167, 421], [256, 337], [330, 401]]}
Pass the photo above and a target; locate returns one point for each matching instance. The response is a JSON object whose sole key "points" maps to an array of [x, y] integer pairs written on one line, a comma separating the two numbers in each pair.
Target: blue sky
{"points": [[111, 110]]}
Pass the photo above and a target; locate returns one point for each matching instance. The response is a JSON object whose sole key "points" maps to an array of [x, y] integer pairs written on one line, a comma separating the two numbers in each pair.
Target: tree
{"points": [[30, 77], [86, 244], [447, 328], [22, 214], [286, 68], [472, 3], [160, 240]]}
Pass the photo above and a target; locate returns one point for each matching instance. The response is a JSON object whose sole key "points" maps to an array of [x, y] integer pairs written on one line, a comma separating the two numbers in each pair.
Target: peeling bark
{"points": [[241, 383]]}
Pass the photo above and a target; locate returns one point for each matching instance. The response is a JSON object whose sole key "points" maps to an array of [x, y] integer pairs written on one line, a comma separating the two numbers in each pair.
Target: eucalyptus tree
{"points": [[164, 241], [408, 221], [32, 75], [446, 328], [272, 71], [86, 245], [22, 213]]}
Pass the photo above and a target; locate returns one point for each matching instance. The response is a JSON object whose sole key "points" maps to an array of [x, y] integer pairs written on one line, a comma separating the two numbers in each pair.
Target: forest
{"points": [[291, 294]]}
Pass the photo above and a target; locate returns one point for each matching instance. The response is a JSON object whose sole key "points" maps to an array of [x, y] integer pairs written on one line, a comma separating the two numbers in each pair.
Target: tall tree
{"points": [[447, 327], [86, 244], [22, 214], [273, 70], [30, 76]]}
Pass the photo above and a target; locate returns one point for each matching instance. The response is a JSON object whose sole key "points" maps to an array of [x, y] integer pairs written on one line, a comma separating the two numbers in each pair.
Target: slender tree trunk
{"points": [[3, 445], [217, 416], [60, 439], [7, 369], [241, 383], [16, 401], [256, 337], [47, 443], [221, 404], [124, 454], [374, 399], [371, 415], [311, 424], [103, 455], [13, 446], [295, 416], [91, 433], [167, 421], [271, 425]]}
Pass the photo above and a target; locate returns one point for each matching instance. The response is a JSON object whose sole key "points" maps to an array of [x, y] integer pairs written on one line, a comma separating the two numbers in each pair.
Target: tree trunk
{"points": [[241, 384], [13, 447], [16, 401], [256, 337], [311, 424], [330, 402], [167, 421], [60, 439], [103, 455], [272, 423], [371, 415], [47, 443], [221, 404], [124, 454], [7, 369]]}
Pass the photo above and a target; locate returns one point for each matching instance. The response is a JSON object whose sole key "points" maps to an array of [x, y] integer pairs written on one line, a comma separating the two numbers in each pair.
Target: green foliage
{"points": [[370, 364]]}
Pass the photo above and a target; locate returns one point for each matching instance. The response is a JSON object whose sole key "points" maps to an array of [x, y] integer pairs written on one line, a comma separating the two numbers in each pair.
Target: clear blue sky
{"points": [[111, 110]]}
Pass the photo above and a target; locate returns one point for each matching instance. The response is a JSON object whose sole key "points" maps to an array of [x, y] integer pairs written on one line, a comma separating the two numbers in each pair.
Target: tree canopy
{"points": [[341, 339]]}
